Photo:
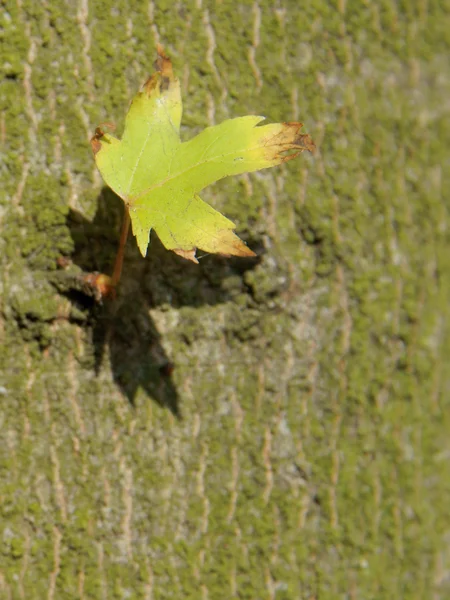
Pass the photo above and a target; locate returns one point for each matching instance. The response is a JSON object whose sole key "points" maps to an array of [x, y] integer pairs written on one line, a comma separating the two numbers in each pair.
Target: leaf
{"points": [[159, 178]]}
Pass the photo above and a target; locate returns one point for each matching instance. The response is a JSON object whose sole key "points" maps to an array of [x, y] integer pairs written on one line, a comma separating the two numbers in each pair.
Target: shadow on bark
{"points": [[122, 328]]}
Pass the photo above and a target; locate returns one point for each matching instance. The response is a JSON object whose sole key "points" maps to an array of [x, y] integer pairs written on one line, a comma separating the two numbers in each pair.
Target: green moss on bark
{"points": [[310, 459]]}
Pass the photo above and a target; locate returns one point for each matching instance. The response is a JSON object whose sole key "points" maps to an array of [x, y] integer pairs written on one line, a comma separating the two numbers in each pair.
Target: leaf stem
{"points": [[120, 252]]}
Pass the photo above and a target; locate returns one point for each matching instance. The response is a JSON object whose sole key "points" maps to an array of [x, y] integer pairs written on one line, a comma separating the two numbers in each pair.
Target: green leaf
{"points": [[159, 178]]}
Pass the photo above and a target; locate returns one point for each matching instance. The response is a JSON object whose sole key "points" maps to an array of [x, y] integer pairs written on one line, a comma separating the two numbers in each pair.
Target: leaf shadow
{"points": [[122, 329]]}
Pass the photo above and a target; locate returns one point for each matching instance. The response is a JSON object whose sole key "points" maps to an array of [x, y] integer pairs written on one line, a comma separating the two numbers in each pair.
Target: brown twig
{"points": [[117, 272], [102, 285]]}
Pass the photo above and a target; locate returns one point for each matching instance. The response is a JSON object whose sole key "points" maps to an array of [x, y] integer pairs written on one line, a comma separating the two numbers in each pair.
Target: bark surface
{"points": [[270, 428]]}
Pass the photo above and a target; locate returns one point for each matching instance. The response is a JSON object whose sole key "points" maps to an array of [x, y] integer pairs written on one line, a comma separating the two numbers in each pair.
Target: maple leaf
{"points": [[159, 177]]}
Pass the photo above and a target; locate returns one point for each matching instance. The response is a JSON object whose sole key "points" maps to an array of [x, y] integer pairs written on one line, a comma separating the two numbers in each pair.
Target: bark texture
{"points": [[299, 448]]}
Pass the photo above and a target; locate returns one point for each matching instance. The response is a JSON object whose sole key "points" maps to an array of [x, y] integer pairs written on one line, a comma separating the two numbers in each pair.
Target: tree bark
{"points": [[269, 428]]}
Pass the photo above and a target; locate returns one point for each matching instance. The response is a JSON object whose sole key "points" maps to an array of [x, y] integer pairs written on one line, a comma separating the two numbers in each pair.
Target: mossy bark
{"points": [[238, 429]]}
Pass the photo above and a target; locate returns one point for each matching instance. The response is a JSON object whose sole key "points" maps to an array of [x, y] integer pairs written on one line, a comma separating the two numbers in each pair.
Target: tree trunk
{"points": [[268, 428]]}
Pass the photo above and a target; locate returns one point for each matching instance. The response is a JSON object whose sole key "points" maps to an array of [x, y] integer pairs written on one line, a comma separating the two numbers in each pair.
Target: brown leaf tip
{"points": [[187, 254], [244, 251], [163, 64], [164, 73], [300, 141], [99, 133], [231, 245]]}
